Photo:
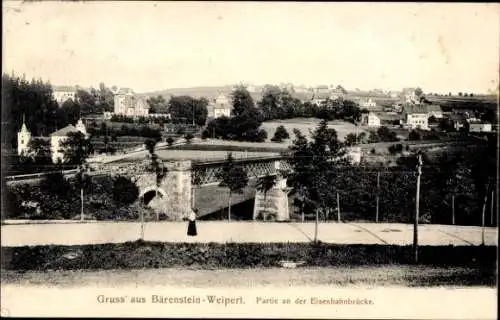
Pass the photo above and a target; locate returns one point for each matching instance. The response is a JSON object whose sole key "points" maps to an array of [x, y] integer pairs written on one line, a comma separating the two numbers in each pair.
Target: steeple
{"points": [[23, 138], [23, 126]]}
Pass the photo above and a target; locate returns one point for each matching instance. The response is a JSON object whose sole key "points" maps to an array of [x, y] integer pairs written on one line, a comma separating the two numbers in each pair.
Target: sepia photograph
{"points": [[249, 159]]}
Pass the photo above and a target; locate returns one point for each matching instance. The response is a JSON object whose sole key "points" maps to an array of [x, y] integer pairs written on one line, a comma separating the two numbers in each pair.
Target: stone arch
{"points": [[147, 190]]}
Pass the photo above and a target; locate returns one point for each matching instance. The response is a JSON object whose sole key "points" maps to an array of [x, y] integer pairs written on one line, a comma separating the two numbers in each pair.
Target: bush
{"points": [[280, 134], [188, 137], [415, 135], [396, 148], [140, 254], [170, 141]]}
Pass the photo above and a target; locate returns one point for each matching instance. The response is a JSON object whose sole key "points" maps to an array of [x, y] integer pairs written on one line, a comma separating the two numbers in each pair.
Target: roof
{"points": [[64, 131], [387, 116], [434, 108], [415, 108]]}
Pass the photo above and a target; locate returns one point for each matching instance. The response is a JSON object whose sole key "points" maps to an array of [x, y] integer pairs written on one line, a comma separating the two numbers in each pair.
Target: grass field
{"points": [[405, 275], [305, 124], [197, 155]]}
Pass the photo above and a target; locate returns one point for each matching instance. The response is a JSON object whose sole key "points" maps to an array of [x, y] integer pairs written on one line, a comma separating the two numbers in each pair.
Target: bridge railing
{"points": [[32, 176]]}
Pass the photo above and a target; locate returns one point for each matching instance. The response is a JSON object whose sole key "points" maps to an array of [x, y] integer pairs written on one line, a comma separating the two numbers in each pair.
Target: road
{"points": [[14, 235]]}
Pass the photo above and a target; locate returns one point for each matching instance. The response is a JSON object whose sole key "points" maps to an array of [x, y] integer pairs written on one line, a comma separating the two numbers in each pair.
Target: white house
{"points": [[219, 107], [480, 127], [416, 117], [64, 93], [367, 103], [128, 104], [370, 119], [58, 137]]}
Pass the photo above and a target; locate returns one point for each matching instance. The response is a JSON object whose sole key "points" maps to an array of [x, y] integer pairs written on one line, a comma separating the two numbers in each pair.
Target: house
{"points": [[320, 94], [434, 110], [480, 127], [58, 137], [63, 93], [377, 119], [457, 120], [367, 103], [416, 116], [219, 107], [410, 96], [129, 104], [337, 93], [370, 119]]}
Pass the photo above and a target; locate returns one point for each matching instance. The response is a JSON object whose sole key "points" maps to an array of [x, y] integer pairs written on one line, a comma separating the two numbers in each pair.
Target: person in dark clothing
{"points": [[192, 224]]}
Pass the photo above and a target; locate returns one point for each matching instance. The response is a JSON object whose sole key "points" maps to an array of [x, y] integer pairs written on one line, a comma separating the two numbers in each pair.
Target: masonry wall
{"points": [[177, 185], [273, 205]]}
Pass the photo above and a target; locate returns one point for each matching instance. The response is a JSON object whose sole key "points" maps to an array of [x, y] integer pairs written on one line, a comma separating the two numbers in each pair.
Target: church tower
{"points": [[23, 139]]}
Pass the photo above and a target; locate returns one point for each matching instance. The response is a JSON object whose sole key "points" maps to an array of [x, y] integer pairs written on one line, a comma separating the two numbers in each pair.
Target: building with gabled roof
{"points": [[129, 104], [64, 93], [59, 136]]}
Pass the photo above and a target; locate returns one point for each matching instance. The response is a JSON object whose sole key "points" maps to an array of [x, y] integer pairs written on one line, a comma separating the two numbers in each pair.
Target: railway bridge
{"points": [[175, 194]]}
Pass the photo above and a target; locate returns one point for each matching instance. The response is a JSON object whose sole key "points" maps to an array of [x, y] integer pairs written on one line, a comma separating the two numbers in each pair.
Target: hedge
{"points": [[140, 254]]}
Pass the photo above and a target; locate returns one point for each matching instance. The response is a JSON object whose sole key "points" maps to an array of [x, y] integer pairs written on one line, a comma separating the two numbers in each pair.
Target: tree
{"points": [[418, 92], [241, 100], [83, 182], [187, 109], [87, 102], [39, 151], [170, 141], [265, 184], [188, 137], [350, 139], [280, 134], [414, 135], [233, 177], [156, 166], [157, 104], [56, 184], [124, 190], [386, 135], [314, 166], [76, 148]]}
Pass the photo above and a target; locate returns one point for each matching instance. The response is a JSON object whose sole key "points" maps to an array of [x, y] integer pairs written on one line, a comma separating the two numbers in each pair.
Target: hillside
{"points": [[196, 92]]}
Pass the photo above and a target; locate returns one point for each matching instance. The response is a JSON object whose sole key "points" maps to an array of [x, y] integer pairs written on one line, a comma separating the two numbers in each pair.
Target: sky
{"points": [[151, 46]]}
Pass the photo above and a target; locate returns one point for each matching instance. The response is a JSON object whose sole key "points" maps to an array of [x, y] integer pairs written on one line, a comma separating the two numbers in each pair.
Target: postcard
{"points": [[249, 159]]}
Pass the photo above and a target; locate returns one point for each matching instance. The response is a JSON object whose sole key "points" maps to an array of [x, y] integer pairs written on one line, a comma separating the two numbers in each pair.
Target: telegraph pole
{"points": [[417, 203]]}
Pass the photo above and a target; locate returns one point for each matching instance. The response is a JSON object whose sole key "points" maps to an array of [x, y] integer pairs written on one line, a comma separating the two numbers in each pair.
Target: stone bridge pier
{"points": [[273, 205], [172, 196]]}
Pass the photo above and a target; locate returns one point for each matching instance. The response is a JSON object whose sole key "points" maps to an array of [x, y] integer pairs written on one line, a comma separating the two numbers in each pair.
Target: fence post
{"points": [[453, 209]]}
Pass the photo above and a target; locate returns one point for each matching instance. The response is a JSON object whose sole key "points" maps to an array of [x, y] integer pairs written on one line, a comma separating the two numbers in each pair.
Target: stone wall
{"points": [[273, 205], [174, 190]]}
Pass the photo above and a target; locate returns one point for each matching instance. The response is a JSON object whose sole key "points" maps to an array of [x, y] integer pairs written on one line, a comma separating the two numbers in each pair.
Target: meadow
{"points": [[308, 124]]}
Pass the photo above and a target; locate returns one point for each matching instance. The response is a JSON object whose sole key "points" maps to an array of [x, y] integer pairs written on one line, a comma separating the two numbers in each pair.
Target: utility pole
{"points": [[453, 209], [483, 214], [417, 203], [492, 202], [378, 192], [193, 115], [316, 226]]}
